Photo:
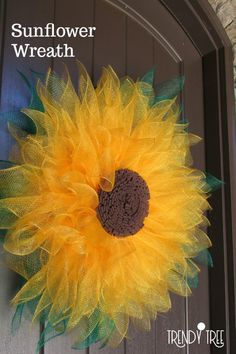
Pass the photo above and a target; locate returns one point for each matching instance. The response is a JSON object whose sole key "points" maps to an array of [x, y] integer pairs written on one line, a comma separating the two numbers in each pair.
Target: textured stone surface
{"points": [[226, 11], [216, 3], [226, 14]]}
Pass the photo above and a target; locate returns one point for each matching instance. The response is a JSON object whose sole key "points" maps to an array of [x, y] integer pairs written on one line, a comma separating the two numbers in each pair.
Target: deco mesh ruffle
{"points": [[101, 208]]}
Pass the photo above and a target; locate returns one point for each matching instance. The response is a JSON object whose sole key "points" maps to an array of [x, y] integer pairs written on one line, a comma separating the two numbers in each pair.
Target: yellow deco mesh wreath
{"points": [[100, 205]]}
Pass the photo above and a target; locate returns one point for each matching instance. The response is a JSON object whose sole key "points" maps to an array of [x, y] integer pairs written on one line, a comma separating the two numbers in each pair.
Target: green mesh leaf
{"points": [[43, 317], [91, 339], [193, 282], [20, 309], [149, 76], [35, 102], [32, 304], [92, 333], [20, 120], [2, 236], [12, 183], [17, 317], [204, 258], [146, 85], [101, 332], [183, 120], [37, 75], [169, 89], [6, 164], [55, 86], [50, 333], [213, 182], [98, 327], [33, 266], [106, 331], [7, 218]]}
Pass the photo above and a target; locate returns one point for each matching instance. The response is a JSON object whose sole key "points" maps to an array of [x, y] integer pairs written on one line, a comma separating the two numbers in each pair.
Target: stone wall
{"points": [[226, 11]]}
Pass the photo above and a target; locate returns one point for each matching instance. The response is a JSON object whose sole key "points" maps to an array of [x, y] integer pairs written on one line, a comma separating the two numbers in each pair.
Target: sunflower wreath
{"points": [[101, 209]]}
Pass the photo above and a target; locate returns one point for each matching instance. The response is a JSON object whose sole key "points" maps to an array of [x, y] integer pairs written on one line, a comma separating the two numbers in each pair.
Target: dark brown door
{"points": [[178, 37]]}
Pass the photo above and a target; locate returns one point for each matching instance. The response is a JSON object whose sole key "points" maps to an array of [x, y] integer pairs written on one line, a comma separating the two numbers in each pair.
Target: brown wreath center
{"points": [[123, 210]]}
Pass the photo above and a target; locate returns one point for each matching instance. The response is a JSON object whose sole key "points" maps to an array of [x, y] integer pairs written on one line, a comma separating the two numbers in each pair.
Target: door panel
{"points": [[132, 37], [110, 39]]}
